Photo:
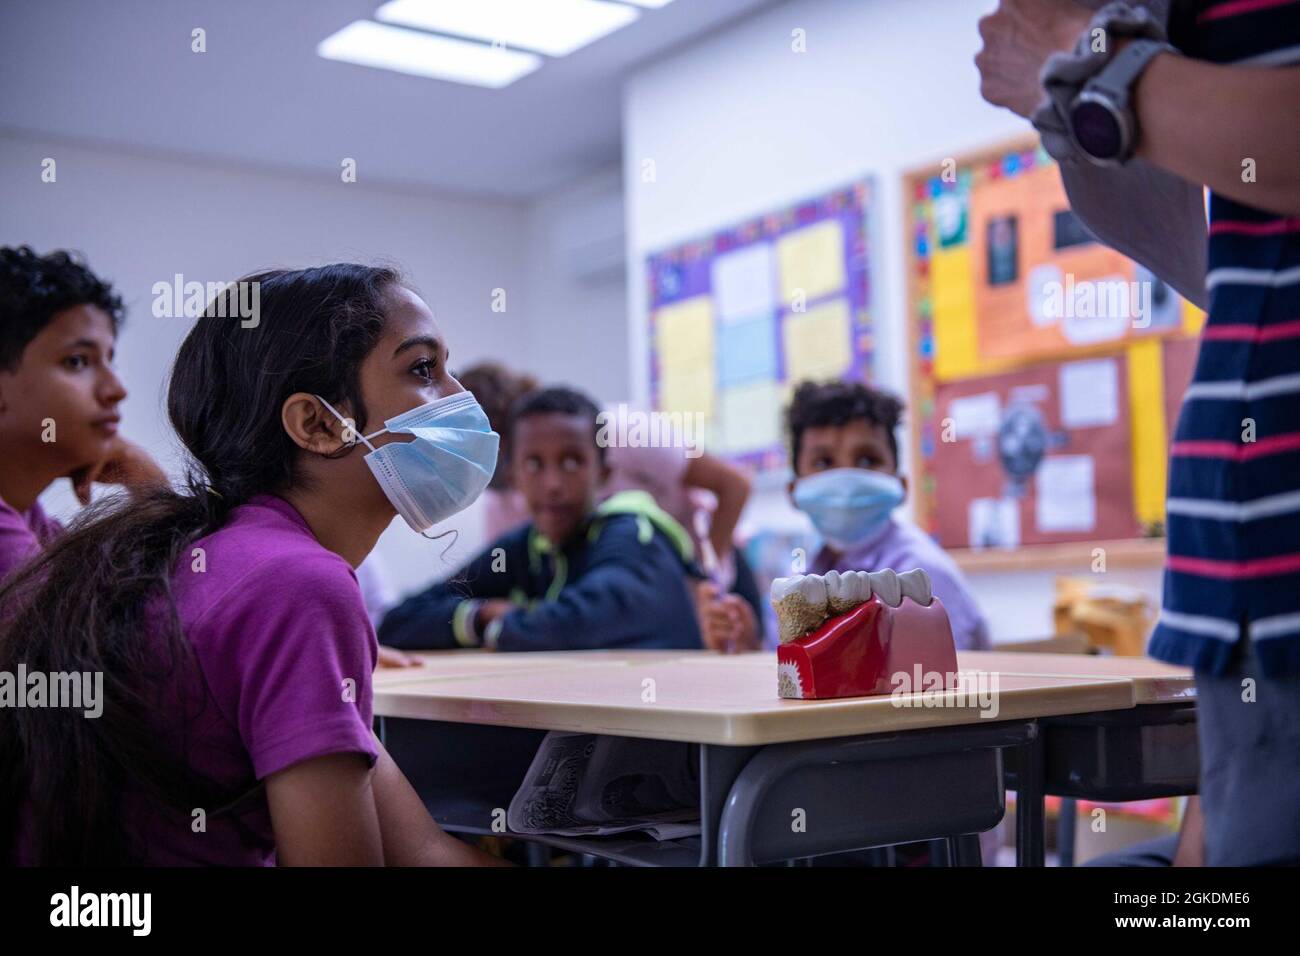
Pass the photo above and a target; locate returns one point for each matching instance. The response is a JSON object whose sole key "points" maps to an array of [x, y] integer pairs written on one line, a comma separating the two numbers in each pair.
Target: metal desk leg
{"points": [[537, 854], [719, 767], [941, 852], [965, 850], [1030, 813], [1065, 830]]}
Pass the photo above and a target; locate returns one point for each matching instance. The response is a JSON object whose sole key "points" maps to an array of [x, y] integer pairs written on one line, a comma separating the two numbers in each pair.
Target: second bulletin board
{"points": [[1046, 369]]}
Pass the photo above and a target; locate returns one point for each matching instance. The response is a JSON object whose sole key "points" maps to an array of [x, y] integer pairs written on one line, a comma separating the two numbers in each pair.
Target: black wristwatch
{"points": [[1101, 119]]}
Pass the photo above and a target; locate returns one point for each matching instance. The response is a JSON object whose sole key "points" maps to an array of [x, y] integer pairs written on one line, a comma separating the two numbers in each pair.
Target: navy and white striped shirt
{"points": [[1233, 570]]}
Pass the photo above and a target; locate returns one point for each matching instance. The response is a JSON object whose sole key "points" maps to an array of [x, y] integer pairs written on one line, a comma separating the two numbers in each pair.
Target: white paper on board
{"points": [[1098, 310], [994, 523], [1043, 292], [975, 416], [744, 282], [1089, 393], [1066, 493]]}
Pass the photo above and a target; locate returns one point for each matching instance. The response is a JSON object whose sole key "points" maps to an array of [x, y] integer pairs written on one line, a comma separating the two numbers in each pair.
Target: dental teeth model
{"points": [[844, 633], [805, 601]]}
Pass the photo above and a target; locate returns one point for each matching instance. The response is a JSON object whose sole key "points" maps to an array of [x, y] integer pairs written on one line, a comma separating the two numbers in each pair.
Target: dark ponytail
{"points": [[93, 601]]}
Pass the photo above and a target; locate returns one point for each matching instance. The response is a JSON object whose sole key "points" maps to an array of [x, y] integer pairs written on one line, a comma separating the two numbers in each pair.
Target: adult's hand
{"points": [[1018, 38]]}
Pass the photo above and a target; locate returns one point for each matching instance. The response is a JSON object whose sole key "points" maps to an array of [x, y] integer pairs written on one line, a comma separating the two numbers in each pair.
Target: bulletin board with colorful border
{"points": [[1046, 369], [738, 318]]}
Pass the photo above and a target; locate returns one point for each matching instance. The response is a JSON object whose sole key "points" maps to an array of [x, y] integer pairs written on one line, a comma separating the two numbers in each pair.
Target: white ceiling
{"points": [[121, 72]]}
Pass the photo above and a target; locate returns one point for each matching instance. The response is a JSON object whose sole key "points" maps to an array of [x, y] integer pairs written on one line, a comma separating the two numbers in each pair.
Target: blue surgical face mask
{"points": [[444, 469], [848, 506]]}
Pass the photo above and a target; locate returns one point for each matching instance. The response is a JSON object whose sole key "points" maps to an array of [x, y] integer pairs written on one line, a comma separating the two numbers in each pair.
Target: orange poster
{"points": [[1042, 286]]}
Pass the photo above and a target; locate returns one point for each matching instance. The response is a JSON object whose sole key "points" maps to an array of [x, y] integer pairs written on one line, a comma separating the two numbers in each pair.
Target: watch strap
{"points": [[1116, 79]]}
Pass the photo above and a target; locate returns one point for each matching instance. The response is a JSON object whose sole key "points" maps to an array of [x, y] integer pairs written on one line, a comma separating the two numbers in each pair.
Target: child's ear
{"points": [[606, 472], [903, 481], [789, 490], [311, 427]]}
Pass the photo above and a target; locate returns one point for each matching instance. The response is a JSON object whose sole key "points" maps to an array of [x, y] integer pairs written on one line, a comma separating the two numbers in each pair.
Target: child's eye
{"points": [[570, 463], [424, 368], [76, 362], [532, 465]]}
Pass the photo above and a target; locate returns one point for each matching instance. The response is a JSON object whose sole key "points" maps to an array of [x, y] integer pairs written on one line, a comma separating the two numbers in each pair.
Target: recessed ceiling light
{"points": [[553, 27], [406, 51], [648, 4]]}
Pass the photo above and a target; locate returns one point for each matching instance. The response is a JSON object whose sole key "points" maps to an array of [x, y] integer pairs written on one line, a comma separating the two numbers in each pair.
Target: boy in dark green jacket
{"points": [[578, 576]]}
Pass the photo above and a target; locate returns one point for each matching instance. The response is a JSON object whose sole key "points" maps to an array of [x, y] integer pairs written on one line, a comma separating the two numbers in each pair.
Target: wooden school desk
{"points": [[1137, 754], [863, 771]]}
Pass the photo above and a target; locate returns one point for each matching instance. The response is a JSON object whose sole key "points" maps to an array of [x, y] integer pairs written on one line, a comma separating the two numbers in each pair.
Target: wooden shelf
{"points": [[1075, 556]]}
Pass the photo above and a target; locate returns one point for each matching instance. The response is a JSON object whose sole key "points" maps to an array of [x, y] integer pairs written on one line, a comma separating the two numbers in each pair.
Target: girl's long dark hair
{"points": [[99, 599]]}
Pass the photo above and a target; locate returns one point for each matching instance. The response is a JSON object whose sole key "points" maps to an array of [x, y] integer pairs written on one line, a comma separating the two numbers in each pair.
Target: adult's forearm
{"points": [[1234, 129]]}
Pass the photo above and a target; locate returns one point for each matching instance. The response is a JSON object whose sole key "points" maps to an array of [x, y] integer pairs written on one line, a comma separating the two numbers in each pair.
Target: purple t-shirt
{"points": [[23, 534], [903, 547], [286, 652]]}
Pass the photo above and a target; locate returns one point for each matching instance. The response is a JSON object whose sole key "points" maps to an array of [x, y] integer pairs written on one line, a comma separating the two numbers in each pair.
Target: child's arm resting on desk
{"points": [[633, 591], [442, 617]]}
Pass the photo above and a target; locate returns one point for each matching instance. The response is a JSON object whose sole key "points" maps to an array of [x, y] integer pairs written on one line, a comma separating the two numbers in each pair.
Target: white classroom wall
{"points": [[576, 293], [739, 124]]}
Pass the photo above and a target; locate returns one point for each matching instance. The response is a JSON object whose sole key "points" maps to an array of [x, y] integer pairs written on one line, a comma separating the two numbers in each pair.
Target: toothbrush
{"points": [[709, 560]]}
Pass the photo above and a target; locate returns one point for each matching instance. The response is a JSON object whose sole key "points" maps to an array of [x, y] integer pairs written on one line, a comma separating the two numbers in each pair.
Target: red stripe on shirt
{"points": [[1252, 333], [1236, 8], [1258, 568], [1242, 228], [1237, 451]]}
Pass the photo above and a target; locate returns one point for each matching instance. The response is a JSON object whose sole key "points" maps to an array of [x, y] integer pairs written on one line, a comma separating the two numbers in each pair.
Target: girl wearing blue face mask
{"points": [[226, 619], [846, 480]]}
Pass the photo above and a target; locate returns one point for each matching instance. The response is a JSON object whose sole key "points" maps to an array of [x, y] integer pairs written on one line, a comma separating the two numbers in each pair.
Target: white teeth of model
{"points": [[781, 587], [885, 585], [813, 589], [810, 587], [855, 587], [845, 590], [832, 579], [916, 585], [800, 603], [835, 602]]}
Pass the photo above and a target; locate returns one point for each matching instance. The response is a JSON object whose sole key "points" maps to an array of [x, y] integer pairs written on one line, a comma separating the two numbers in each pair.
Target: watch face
{"points": [[1097, 130]]}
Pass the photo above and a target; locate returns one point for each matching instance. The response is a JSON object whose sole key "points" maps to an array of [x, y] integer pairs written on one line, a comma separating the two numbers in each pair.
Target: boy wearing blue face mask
{"points": [[846, 480], [578, 576]]}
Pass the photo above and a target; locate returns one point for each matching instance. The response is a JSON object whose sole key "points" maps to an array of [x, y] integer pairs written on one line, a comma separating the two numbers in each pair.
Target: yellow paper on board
{"points": [[687, 388], [684, 332], [812, 260], [1146, 387], [952, 304], [1193, 318], [818, 343], [750, 416], [684, 342]]}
